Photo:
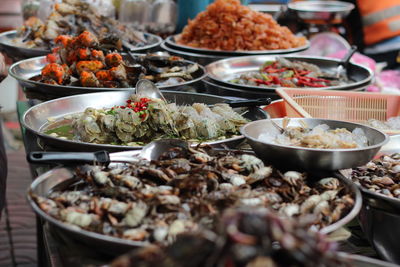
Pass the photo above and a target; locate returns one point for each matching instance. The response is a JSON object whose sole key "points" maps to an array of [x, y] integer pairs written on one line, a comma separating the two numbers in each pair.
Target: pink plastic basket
{"points": [[341, 105]]}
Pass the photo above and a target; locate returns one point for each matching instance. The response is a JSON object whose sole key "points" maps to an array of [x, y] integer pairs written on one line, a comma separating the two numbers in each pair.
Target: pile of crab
{"points": [[188, 188], [83, 61], [242, 237]]}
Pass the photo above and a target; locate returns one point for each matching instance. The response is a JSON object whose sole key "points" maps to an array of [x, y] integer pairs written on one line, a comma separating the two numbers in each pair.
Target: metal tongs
{"points": [[151, 151]]}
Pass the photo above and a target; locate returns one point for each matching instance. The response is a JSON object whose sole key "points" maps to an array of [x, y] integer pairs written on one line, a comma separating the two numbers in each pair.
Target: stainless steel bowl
{"points": [[24, 70], [321, 10], [223, 71], [380, 215], [61, 177], [289, 157], [35, 119], [20, 53]]}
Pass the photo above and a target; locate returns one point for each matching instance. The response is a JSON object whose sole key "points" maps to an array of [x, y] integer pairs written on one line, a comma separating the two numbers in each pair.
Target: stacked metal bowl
{"points": [[205, 56]]}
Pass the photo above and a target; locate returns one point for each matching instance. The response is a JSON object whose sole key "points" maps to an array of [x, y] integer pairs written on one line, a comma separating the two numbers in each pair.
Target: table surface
{"points": [[56, 249]]}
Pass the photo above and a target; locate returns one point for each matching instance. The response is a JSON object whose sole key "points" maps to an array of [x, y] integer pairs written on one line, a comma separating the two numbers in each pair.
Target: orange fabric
{"points": [[369, 6], [379, 30]]}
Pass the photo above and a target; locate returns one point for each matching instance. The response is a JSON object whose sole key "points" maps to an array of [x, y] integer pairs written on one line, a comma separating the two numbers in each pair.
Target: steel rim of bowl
{"points": [[328, 6], [8, 34], [97, 89], [386, 137], [165, 46], [171, 41], [210, 75], [240, 91], [105, 146]]}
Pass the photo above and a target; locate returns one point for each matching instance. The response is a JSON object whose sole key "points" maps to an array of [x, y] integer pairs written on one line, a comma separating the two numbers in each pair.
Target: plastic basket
{"points": [[341, 105]]}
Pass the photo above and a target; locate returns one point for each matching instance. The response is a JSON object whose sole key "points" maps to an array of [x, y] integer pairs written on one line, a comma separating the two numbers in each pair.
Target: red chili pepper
{"points": [[275, 80], [259, 81]]}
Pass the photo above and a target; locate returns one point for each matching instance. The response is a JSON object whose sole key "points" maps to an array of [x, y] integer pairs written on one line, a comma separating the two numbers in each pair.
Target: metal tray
{"points": [[19, 52], [28, 68], [223, 71], [61, 177], [172, 43], [36, 118]]}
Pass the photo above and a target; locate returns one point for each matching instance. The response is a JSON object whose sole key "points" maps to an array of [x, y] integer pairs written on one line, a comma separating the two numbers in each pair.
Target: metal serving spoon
{"points": [[149, 89], [151, 151]]}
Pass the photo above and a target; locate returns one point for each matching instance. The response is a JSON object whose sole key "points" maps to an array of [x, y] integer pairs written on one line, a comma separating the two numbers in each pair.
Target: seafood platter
{"points": [[211, 35], [266, 73], [116, 121], [123, 206], [36, 37], [80, 66]]}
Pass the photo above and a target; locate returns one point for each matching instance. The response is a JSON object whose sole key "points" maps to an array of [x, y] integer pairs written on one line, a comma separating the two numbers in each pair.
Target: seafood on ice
{"points": [[320, 136]]}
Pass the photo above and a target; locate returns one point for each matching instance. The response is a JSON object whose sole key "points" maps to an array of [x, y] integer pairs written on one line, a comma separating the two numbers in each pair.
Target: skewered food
{"points": [[289, 73], [227, 25], [242, 238], [80, 61], [380, 175], [188, 188], [142, 120], [320, 136], [72, 17]]}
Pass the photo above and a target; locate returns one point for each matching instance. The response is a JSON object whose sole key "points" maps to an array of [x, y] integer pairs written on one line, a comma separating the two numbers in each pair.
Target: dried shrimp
{"points": [[228, 25]]}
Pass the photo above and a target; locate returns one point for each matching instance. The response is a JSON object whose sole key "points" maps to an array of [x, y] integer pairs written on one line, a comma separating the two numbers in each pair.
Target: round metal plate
{"points": [[28, 68], [223, 71], [171, 42]]}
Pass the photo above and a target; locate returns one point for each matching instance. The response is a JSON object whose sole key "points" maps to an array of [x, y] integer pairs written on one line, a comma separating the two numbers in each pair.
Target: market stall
{"points": [[236, 142]]}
